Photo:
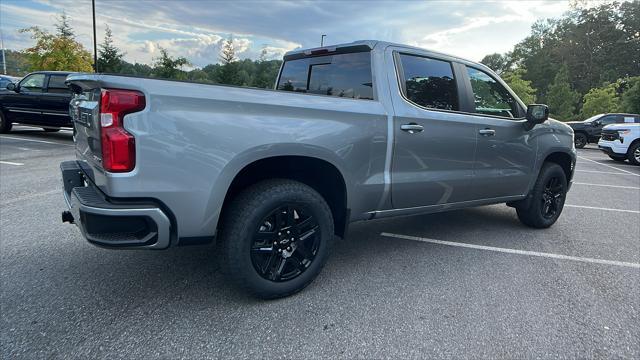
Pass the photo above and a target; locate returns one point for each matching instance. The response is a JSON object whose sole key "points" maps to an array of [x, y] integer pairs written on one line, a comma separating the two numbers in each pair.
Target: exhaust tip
{"points": [[67, 217]]}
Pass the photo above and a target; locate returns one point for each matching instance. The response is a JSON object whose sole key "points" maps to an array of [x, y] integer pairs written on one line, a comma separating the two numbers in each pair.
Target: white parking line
{"points": [[602, 208], [514, 251], [32, 140], [611, 186], [609, 166], [603, 172], [11, 163]]}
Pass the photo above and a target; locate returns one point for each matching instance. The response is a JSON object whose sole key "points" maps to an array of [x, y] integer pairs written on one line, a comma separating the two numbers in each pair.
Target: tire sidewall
{"points": [[5, 125], [536, 205], [240, 244], [583, 137], [632, 149]]}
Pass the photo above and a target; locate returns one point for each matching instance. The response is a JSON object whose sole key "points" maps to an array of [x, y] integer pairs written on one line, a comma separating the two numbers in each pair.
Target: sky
{"points": [[196, 29]]}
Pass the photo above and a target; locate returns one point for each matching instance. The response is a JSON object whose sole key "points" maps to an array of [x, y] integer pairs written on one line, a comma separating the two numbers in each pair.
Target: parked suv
{"points": [[352, 132], [621, 142], [588, 131], [40, 99]]}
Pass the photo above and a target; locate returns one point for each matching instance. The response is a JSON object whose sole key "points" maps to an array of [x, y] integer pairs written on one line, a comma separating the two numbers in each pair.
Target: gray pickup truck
{"points": [[351, 132]]}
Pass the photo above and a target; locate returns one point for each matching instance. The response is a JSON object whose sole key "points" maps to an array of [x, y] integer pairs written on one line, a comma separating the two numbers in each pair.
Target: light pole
{"points": [[95, 46], [4, 58], [322, 40]]}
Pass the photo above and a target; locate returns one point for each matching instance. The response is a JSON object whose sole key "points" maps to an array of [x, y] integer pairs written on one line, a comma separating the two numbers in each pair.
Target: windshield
{"points": [[594, 117]]}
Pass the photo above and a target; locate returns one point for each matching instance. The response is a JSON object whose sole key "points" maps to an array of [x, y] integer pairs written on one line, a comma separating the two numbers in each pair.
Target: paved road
{"points": [[379, 296]]}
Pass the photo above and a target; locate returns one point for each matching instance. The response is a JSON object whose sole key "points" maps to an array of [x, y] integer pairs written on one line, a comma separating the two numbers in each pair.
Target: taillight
{"points": [[118, 146]]}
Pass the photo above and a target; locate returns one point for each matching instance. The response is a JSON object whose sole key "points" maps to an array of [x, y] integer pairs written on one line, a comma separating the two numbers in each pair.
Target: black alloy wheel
{"points": [[552, 197], [286, 243], [580, 140]]}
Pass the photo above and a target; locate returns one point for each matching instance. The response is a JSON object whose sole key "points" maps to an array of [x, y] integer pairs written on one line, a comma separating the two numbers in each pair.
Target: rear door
{"points": [[55, 101], [24, 106], [506, 152], [435, 142]]}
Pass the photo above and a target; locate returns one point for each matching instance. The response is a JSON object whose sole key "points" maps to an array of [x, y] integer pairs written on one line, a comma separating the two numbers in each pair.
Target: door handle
{"points": [[487, 132], [411, 128]]}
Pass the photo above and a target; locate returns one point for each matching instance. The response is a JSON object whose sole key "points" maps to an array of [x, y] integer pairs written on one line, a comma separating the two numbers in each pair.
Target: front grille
{"points": [[610, 135]]}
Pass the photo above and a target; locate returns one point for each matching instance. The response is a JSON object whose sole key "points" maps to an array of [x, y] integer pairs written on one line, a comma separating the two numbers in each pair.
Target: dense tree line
{"points": [[581, 64], [61, 51]]}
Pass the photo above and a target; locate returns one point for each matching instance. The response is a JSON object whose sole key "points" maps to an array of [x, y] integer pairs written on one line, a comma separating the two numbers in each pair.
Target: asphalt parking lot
{"points": [[473, 283]]}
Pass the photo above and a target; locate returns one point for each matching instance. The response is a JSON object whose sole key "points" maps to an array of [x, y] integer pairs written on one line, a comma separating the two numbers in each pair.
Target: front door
{"points": [[506, 152], [435, 144], [24, 106]]}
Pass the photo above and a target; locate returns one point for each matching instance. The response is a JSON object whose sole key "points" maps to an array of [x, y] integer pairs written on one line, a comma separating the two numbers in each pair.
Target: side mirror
{"points": [[597, 123], [537, 114], [12, 87]]}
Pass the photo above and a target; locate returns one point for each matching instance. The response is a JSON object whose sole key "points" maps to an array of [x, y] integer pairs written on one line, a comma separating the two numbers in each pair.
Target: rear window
{"points": [[342, 75]]}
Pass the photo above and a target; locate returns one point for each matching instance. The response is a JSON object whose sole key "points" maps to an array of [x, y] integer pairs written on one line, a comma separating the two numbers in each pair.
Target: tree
{"points": [[521, 87], [63, 26], [229, 72], [497, 62], [600, 100], [57, 51], [168, 67], [597, 44], [109, 56], [630, 99], [561, 98]]}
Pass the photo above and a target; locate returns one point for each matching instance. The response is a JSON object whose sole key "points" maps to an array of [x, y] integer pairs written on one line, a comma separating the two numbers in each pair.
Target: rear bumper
{"points": [[107, 223]]}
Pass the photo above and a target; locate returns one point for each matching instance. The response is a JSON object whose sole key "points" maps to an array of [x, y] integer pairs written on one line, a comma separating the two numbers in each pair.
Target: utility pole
{"points": [[322, 40], [95, 43], [4, 57]]}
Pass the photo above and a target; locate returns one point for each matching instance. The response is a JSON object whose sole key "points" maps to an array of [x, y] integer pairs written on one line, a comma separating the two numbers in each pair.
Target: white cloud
{"points": [[195, 29]]}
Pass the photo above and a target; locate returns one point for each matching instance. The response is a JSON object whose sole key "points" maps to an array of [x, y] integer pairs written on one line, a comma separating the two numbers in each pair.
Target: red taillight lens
{"points": [[118, 146]]}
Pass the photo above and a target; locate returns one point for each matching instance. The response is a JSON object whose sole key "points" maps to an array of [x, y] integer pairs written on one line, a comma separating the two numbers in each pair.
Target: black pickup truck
{"points": [[40, 99], [588, 131]]}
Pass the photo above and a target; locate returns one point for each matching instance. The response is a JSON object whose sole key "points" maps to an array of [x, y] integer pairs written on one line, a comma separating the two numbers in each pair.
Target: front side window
{"points": [[33, 82], [342, 75], [490, 97], [57, 85], [429, 82], [610, 119]]}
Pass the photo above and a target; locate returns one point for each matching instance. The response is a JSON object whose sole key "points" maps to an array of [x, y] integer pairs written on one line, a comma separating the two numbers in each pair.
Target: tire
{"points": [[580, 140], [253, 253], [618, 158], [633, 154], [548, 193], [5, 125], [50, 130]]}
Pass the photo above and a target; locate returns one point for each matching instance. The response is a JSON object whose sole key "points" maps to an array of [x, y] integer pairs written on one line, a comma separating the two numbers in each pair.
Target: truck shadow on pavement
{"points": [[191, 278]]}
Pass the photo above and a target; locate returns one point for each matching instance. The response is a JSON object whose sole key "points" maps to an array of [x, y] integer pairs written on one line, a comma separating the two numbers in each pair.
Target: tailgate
{"points": [[84, 110]]}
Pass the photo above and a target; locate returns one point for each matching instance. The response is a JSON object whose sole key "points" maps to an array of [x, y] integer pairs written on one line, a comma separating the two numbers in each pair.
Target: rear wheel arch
{"points": [[321, 175]]}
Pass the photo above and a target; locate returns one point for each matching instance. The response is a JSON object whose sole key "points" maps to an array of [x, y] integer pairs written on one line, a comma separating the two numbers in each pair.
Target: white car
{"points": [[621, 142]]}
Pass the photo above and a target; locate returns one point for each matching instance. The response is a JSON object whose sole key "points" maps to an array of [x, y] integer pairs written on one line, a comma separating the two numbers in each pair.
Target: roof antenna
{"points": [[322, 40]]}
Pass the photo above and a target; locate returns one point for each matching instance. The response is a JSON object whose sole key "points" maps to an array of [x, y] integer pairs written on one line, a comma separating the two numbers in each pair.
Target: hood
{"points": [[559, 125], [621, 126], [577, 124]]}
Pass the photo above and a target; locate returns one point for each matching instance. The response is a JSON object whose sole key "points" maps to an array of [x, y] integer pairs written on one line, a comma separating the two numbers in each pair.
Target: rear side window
{"points": [[490, 97], [57, 85], [341, 75], [429, 82]]}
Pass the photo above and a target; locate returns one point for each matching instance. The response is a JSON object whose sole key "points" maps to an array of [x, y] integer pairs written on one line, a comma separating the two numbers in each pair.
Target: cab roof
{"points": [[370, 44]]}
